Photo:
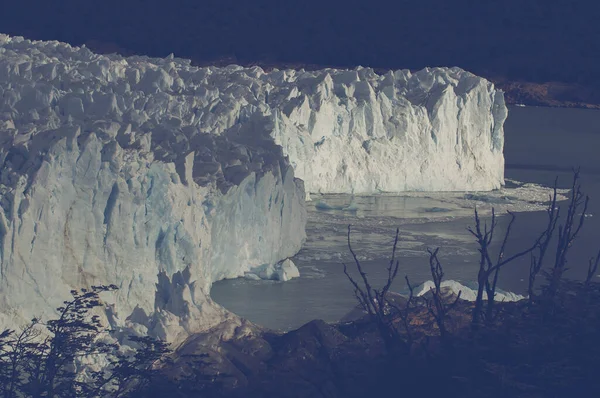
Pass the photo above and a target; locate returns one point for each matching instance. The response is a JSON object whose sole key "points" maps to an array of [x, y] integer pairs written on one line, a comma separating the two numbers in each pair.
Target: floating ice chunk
{"points": [[436, 210], [324, 206], [321, 205], [493, 199], [282, 271], [251, 276], [351, 207], [287, 270], [468, 292]]}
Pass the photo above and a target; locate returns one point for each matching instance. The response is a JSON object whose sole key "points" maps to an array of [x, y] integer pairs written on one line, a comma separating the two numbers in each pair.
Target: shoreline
{"points": [[549, 94]]}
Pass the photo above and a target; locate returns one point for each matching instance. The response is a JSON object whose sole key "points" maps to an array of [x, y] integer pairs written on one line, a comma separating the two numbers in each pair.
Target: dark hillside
{"points": [[531, 40]]}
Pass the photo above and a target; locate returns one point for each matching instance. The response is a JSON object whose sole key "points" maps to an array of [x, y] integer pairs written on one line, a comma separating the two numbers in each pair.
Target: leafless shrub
{"points": [[592, 269], [437, 305], [405, 312], [567, 233], [537, 261], [376, 303], [487, 277]]}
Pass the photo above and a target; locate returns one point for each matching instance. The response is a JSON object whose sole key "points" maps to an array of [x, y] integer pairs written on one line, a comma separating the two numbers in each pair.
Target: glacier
{"points": [[439, 129], [161, 177]]}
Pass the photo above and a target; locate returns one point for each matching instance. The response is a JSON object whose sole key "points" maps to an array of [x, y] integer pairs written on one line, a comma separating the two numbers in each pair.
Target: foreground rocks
{"points": [[540, 350]]}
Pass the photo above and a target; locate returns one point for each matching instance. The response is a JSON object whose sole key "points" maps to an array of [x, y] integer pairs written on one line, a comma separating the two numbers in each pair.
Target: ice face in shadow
{"points": [[114, 170], [103, 185]]}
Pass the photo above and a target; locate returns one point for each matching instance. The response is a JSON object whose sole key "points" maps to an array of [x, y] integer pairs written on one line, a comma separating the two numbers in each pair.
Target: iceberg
{"points": [[161, 177], [468, 292], [283, 271]]}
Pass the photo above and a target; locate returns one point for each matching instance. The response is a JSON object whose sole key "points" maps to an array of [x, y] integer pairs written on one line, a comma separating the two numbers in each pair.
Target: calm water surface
{"points": [[541, 143]]}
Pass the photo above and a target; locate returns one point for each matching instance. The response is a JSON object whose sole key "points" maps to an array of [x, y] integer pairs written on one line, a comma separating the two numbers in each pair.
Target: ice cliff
{"points": [[161, 177], [110, 174], [438, 129]]}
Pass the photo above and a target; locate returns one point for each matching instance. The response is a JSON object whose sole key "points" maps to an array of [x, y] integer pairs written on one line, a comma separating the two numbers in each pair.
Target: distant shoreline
{"points": [[551, 94]]}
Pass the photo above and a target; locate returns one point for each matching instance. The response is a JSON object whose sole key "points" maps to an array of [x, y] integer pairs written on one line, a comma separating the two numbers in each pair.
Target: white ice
{"points": [[468, 293], [161, 177]]}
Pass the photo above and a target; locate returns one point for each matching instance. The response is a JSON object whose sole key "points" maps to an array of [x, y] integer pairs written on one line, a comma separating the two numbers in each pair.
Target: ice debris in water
{"points": [[282, 271]]}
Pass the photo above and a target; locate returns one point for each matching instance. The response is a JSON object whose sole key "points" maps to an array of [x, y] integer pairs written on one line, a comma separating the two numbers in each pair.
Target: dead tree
{"points": [[437, 306], [592, 269], [404, 313], [488, 268], [374, 301], [15, 350], [40, 360], [567, 233], [544, 241], [73, 335]]}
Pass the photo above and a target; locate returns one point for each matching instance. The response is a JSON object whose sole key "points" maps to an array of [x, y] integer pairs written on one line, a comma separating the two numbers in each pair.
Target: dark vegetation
{"points": [[541, 347], [43, 358], [432, 344]]}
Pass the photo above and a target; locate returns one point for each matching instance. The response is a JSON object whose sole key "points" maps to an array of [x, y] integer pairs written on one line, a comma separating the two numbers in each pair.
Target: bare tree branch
{"points": [[567, 233], [592, 269], [439, 309], [488, 268], [376, 303]]}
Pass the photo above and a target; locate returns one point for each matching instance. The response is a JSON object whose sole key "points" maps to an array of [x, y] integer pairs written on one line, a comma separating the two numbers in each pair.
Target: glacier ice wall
{"points": [[439, 129], [102, 183], [117, 170]]}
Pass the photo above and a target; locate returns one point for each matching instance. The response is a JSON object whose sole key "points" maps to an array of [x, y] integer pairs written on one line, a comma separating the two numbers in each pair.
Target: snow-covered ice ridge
{"points": [[345, 131], [115, 169]]}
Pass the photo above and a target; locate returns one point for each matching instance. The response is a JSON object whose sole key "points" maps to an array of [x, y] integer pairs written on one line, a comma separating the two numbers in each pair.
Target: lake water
{"points": [[541, 144]]}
